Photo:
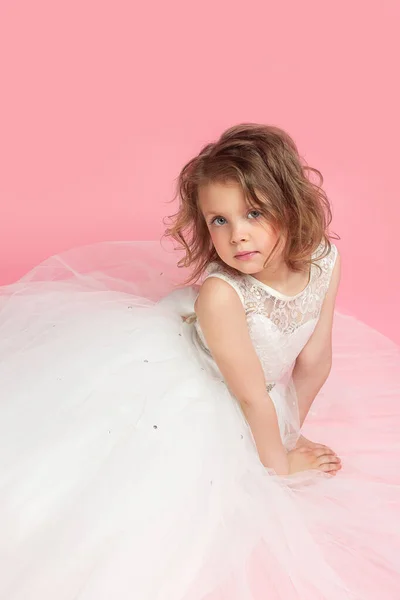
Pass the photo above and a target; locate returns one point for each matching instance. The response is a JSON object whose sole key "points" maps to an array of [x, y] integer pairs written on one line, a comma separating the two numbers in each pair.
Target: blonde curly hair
{"points": [[265, 161]]}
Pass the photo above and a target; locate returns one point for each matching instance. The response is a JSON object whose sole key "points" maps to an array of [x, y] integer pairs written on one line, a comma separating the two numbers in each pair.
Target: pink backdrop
{"points": [[103, 102]]}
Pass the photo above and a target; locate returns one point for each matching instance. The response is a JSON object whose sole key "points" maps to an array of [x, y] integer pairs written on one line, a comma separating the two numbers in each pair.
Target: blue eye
{"points": [[217, 220], [214, 221], [255, 211]]}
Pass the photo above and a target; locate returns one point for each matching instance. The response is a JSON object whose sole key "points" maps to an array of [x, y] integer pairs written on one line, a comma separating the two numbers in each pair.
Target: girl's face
{"points": [[235, 228]]}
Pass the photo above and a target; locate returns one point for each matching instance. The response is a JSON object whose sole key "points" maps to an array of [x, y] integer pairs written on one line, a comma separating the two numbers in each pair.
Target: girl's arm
{"points": [[308, 383], [314, 362], [223, 323]]}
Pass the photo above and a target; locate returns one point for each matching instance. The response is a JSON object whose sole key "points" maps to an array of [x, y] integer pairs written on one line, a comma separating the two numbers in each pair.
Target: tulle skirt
{"points": [[128, 471]]}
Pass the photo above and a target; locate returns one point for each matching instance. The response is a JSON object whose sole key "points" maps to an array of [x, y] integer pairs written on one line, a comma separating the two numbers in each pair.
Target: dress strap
{"points": [[328, 263]]}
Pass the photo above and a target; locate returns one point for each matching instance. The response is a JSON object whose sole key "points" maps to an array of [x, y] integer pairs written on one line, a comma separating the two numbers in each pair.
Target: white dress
{"points": [[128, 470]]}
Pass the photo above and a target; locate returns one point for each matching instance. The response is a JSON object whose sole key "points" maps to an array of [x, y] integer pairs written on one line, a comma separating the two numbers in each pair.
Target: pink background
{"points": [[103, 102]]}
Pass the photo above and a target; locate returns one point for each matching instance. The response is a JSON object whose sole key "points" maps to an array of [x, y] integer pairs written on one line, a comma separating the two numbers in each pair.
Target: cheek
{"points": [[269, 233], [215, 235]]}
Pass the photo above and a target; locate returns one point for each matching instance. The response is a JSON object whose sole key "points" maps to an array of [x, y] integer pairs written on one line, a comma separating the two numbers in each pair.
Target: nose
{"points": [[239, 234]]}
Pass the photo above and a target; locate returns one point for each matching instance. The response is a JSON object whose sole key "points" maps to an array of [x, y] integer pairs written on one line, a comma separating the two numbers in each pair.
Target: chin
{"points": [[249, 267]]}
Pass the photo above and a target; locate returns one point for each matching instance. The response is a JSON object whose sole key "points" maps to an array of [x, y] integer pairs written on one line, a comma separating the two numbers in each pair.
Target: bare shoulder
{"points": [[217, 296], [222, 317]]}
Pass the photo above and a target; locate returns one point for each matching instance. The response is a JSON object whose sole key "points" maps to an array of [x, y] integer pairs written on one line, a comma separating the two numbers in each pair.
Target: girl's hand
{"points": [[321, 458], [305, 442]]}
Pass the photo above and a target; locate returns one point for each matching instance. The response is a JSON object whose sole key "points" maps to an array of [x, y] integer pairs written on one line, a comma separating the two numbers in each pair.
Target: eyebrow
{"points": [[211, 214], [221, 214]]}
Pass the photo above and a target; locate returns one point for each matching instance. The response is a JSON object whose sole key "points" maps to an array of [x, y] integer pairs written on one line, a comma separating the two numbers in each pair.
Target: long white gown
{"points": [[127, 468]]}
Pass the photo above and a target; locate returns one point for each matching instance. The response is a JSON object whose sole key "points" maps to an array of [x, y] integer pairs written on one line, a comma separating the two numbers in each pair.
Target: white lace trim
{"points": [[287, 313]]}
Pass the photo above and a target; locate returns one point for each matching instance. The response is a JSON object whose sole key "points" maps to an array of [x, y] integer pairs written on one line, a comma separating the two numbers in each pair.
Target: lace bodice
{"points": [[279, 325]]}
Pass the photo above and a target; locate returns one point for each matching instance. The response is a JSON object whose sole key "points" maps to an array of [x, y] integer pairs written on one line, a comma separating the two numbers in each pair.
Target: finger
{"points": [[323, 452], [330, 467], [332, 473], [334, 467], [327, 466], [335, 472], [328, 459]]}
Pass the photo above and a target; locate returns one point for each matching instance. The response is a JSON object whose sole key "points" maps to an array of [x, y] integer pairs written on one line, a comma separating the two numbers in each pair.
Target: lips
{"points": [[245, 253]]}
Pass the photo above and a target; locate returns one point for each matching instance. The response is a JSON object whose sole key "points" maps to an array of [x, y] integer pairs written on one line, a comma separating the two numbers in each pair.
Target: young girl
{"points": [[151, 444]]}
